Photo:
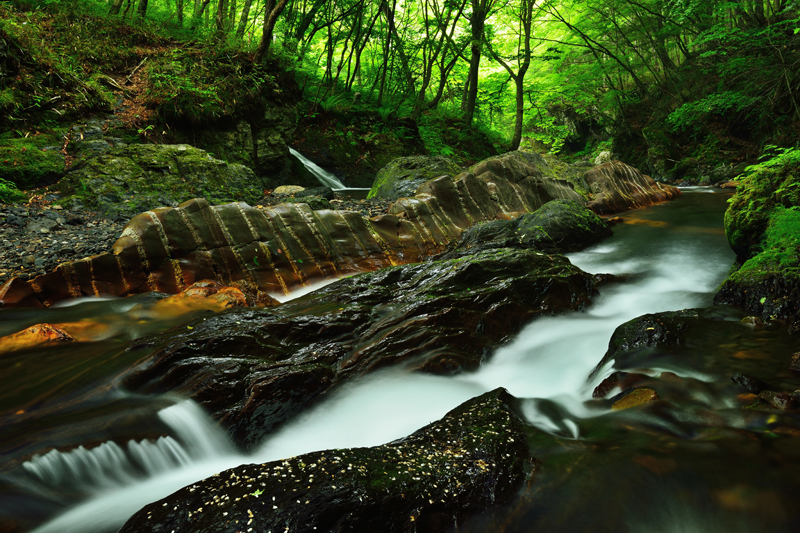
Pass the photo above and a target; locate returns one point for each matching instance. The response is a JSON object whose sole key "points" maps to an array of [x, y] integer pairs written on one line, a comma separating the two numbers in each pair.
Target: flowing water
{"points": [[697, 462], [322, 175]]}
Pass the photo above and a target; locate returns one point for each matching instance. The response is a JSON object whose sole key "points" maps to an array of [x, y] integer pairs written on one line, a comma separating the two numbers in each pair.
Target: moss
{"points": [[32, 161], [780, 250]]}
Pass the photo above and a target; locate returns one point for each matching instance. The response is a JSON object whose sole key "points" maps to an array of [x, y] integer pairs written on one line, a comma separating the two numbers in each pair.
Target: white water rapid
{"points": [[549, 360], [322, 175]]}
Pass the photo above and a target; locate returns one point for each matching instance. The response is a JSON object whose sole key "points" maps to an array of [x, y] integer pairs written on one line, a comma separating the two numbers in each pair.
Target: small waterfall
{"points": [[111, 465], [324, 177]]}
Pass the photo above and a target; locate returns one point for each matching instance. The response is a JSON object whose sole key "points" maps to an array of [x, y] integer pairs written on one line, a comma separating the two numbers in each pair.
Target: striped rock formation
{"points": [[287, 245], [618, 187]]}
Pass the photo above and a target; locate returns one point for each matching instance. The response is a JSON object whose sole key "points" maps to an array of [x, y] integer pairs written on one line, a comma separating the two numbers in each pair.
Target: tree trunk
{"points": [[179, 11], [269, 25], [142, 11], [115, 7], [243, 20], [220, 18]]}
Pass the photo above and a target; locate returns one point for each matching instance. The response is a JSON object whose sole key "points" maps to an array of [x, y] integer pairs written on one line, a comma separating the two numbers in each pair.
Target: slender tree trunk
{"points": [[142, 11], [179, 11], [220, 18], [270, 18], [243, 20], [115, 7]]}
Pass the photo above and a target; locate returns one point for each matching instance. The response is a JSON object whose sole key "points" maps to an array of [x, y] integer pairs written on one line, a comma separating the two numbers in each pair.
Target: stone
{"points": [[603, 157], [40, 223], [404, 175], [751, 384], [131, 179], [34, 336], [618, 187], [778, 400], [617, 380], [254, 369], [473, 460], [288, 189], [635, 398], [795, 362]]}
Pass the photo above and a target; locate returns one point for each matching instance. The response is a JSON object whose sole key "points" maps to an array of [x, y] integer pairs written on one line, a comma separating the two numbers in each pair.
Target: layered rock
{"points": [[404, 175], [619, 187], [280, 247], [471, 461], [254, 369]]}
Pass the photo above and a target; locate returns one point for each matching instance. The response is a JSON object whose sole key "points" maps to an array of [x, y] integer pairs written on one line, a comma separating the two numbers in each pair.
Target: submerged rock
{"points": [[254, 369], [473, 459]]}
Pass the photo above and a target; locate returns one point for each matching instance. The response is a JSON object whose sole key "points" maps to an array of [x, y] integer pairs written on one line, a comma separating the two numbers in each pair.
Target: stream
{"points": [[697, 462]]}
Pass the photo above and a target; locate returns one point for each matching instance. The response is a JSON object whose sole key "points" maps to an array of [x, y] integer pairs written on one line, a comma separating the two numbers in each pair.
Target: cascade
{"points": [[675, 255], [322, 175]]}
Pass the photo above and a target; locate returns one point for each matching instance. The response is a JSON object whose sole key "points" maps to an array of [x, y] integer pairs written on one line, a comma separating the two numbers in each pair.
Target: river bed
{"points": [[696, 462]]}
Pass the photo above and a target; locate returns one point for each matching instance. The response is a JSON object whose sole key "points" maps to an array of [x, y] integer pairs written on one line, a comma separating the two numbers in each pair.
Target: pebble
{"points": [[26, 251]]}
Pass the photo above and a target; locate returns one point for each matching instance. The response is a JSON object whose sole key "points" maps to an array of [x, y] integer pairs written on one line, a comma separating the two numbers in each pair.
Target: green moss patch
{"points": [[33, 161]]}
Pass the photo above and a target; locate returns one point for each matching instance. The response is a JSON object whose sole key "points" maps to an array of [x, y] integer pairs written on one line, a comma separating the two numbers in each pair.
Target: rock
{"points": [[288, 189], [751, 383], [635, 398], [472, 460], [39, 224], [729, 185], [778, 400], [619, 187], [559, 226], [254, 369], [617, 380], [404, 175], [131, 179], [603, 157], [283, 246], [260, 143], [795, 363], [34, 336]]}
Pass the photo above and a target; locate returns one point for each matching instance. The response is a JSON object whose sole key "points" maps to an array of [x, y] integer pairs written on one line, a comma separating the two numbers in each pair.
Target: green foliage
{"points": [[10, 194], [691, 113], [769, 185], [32, 161]]}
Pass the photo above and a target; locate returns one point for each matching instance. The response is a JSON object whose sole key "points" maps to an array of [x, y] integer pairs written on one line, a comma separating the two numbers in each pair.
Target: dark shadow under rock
{"points": [[473, 459], [254, 369]]}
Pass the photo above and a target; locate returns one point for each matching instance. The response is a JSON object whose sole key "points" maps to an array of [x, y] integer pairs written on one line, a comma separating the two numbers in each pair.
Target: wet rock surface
{"points": [[559, 226], [253, 369], [473, 459]]}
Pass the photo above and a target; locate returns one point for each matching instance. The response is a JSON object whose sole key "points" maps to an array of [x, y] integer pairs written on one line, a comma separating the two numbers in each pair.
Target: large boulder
{"points": [[471, 461], [404, 175], [128, 180], [619, 187], [559, 226], [254, 369]]}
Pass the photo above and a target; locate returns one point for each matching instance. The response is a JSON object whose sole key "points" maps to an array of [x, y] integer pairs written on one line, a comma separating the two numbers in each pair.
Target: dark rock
{"points": [[254, 369], [559, 226], [795, 362], [751, 383], [778, 400], [473, 459]]}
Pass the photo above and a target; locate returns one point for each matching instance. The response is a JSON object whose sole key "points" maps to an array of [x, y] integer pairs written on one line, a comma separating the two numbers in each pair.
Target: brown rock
{"points": [[636, 397], [619, 187], [795, 363], [34, 336], [778, 400]]}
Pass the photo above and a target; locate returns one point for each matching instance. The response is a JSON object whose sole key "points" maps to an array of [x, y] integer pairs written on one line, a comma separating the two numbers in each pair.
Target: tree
{"points": [[477, 20], [270, 18]]}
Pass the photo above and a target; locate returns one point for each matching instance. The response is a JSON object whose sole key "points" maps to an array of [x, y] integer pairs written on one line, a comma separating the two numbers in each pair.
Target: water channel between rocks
{"points": [[676, 254]]}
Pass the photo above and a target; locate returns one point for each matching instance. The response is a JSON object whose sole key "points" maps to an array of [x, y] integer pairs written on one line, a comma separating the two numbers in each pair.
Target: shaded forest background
{"points": [[669, 86]]}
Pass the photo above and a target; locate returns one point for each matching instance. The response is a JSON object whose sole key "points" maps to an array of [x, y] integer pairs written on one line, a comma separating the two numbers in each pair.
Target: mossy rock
{"points": [[33, 161], [559, 226], [135, 178], [403, 176], [472, 460]]}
